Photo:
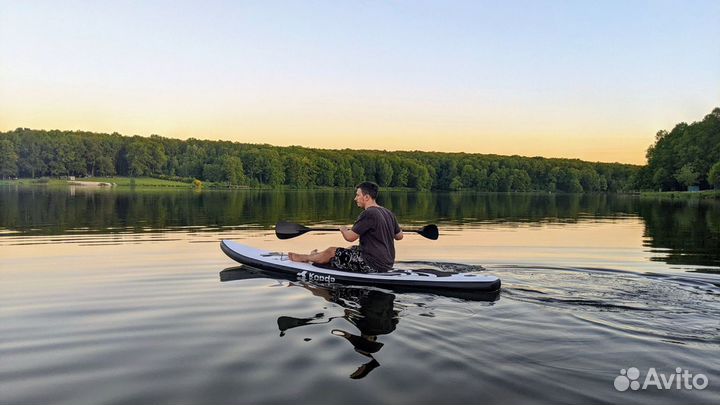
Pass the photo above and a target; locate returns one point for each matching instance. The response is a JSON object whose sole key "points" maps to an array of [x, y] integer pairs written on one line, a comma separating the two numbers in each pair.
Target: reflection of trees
{"points": [[689, 229], [52, 211], [36, 210]]}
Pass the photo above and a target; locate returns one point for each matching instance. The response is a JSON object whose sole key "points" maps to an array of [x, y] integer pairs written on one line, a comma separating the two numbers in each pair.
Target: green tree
{"points": [[520, 180], [419, 177], [687, 175], [343, 172], [603, 183], [504, 179], [54, 157], [93, 155], [232, 169], [30, 153], [263, 166], [491, 183], [158, 158], [401, 174], [299, 171], [139, 157], [569, 181], [325, 172], [589, 179], [384, 173], [446, 173], [714, 175], [104, 166], [662, 180], [8, 159], [696, 144], [213, 172], [551, 179], [74, 156], [192, 159], [456, 184], [469, 176], [358, 172]]}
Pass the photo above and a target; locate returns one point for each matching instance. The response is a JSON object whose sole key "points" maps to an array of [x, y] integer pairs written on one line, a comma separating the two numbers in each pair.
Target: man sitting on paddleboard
{"points": [[377, 229]]}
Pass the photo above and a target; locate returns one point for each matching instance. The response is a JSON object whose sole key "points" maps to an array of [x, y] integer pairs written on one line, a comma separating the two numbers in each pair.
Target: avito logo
{"points": [[681, 379]]}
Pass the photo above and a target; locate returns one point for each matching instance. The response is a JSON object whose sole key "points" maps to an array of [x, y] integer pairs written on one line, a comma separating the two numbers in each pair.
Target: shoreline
{"points": [[683, 195], [155, 183]]}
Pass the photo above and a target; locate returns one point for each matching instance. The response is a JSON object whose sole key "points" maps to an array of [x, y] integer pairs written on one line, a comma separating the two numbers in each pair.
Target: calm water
{"points": [[114, 297]]}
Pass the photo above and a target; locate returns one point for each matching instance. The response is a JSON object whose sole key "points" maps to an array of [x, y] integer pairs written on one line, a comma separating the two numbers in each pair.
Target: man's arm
{"points": [[348, 234], [398, 231]]}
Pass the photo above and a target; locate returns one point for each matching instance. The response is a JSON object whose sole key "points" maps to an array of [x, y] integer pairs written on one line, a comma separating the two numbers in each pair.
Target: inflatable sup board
{"points": [[416, 279]]}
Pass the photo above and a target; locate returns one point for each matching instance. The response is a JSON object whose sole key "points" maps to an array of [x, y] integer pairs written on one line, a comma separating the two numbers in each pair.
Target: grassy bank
{"points": [[684, 195], [117, 181], [123, 182], [139, 182]]}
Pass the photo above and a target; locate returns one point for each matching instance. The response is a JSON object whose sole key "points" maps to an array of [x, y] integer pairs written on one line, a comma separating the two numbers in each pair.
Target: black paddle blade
{"points": [[430, 232], [287, 230]]}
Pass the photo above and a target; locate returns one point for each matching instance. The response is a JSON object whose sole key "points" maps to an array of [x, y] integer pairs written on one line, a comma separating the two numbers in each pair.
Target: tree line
{"points": [[688, 155], [29, 153]]}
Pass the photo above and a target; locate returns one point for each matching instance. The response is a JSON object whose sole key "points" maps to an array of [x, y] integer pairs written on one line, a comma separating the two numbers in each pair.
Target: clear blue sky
{"points": [[593, 80]]}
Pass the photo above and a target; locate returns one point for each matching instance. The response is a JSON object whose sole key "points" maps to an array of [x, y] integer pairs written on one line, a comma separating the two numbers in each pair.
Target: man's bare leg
{"points": [[323, 257], [297, 257]]}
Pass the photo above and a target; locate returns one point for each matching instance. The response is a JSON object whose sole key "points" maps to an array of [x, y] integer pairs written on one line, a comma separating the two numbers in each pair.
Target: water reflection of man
{"points": [[371, 311]]}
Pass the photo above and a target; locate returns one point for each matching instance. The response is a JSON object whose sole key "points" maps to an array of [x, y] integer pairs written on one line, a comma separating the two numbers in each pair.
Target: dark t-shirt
{"points": [[377, 228]]}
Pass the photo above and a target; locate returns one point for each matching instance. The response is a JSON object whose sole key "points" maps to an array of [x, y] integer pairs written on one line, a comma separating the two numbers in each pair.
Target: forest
{"points": [[688, 155], [29, 153]]}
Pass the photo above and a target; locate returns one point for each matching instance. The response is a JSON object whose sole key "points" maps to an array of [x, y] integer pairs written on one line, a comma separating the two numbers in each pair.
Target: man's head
{"points": [[366, 193]]}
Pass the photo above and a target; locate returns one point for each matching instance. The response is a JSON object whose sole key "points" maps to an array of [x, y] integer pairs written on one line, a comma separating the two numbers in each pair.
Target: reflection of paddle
{"points": [[288, 322], [287, 230], [361, 344], [240, 273], [365, 369]]}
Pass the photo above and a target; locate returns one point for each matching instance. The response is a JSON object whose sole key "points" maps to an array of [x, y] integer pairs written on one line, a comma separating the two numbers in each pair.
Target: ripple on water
{"points": [[179, 335], [680, 309]]}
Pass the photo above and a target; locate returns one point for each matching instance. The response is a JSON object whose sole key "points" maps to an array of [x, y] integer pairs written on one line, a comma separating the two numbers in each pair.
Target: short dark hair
{"points": [[369, 188]]}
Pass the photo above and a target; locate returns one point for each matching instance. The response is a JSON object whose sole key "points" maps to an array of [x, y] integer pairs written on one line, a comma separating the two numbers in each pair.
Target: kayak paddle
{"points": [[287, 230]]}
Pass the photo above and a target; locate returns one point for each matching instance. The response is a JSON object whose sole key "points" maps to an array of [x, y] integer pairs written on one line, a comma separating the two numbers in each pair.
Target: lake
{"points": [[123, 296]]}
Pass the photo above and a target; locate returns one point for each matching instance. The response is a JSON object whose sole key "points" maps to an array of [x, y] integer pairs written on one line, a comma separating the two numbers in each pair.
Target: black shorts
{"points": [[351, 260]]}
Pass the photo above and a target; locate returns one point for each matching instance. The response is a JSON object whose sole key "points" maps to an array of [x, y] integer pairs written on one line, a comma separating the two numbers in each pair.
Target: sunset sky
{"points": [[576, 79]]}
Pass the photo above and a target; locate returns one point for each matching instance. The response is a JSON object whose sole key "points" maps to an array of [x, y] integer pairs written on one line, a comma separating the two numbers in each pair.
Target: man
{"points": [[377, 229]]}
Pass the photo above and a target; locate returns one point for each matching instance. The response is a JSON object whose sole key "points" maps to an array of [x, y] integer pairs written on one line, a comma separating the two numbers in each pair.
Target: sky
{"points": [[593, 80]]}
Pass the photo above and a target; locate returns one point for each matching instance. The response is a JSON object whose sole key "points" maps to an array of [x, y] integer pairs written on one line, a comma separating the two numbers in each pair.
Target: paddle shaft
{"points": [[287, 230], [337, 229]]}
